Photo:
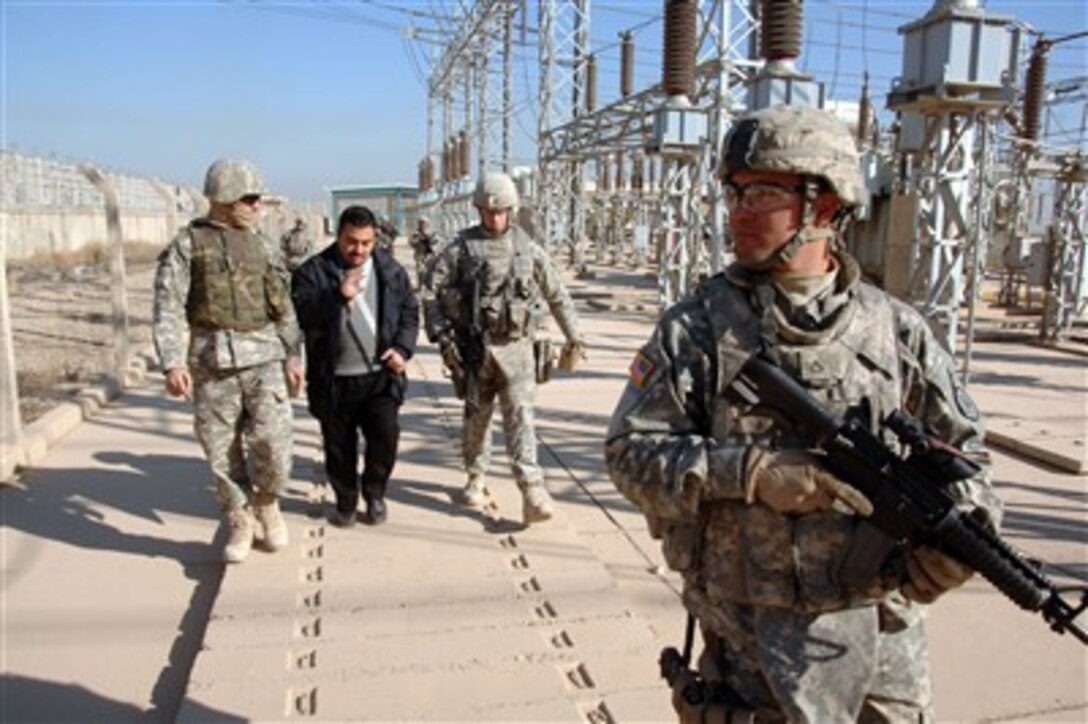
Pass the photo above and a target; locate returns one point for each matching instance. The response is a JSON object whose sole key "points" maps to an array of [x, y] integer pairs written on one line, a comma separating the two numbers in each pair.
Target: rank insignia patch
{"points": [[640, 369]]}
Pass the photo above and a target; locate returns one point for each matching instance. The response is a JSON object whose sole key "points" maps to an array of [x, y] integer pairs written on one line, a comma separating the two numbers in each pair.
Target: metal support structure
{"points": [[563, 41], [959, 63], [943, 231], [1066, 296], [475, 65], [691, 222], [625, 128]]}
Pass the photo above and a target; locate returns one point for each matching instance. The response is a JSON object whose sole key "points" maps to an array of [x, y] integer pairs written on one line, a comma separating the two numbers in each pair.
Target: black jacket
{"points": [[315, 291]]}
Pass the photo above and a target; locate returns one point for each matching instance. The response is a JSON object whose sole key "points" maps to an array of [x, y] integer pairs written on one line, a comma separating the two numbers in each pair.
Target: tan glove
{"points": [[794, 482], [931, 574], [572, 355]]}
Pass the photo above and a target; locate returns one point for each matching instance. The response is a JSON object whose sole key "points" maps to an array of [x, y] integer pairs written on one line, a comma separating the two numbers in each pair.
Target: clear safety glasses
{"points": [[759, 196]]}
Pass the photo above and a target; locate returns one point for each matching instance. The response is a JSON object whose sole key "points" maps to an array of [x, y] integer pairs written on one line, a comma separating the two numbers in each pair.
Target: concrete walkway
{"points": [[115, 607]]}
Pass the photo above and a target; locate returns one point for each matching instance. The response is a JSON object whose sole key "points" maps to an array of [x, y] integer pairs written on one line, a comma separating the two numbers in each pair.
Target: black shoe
{"points": [[342, 518], [375, 511]]}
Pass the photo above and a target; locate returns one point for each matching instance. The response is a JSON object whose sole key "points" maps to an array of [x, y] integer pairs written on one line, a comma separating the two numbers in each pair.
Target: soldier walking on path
{"points": [[222, 286], [485, 310], [803, 617], [424, 246]]}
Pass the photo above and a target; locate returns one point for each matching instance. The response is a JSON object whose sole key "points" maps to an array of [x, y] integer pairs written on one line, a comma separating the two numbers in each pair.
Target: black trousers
{"points": [[364, 403]]}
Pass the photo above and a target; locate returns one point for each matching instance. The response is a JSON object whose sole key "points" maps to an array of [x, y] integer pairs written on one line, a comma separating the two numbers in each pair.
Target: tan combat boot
{"points": [[474, 494], [240, 541], [272, 523], [536, 504]]}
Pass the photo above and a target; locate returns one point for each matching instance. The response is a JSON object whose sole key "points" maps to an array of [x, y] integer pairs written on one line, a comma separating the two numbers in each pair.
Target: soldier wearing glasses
{"points": [[765, 537], [227, 338]]}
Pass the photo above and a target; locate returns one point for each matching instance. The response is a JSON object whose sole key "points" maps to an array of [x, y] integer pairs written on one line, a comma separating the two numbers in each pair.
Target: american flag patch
{"points": [[640, 369]]}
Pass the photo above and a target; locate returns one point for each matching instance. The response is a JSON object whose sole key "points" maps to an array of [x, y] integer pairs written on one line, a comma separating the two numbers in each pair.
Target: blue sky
{"points": [[319, 94]]}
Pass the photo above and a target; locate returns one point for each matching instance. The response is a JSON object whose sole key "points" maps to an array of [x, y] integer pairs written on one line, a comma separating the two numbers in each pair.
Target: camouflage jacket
{"points": [[521, 279], [213, 349], [678, 442]]}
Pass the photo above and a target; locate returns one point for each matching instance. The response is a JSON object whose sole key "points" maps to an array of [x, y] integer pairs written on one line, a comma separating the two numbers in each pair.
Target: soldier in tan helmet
{"points": [[227, 338], [496, 356], [765, 537]]}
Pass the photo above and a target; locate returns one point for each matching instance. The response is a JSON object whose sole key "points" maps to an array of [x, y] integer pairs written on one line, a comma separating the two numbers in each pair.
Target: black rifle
{"points": [[911, 505], [471, 344]]}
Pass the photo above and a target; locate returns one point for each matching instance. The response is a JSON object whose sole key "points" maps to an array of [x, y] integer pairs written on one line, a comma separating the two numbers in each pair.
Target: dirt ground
{"points": [[61, 317]]}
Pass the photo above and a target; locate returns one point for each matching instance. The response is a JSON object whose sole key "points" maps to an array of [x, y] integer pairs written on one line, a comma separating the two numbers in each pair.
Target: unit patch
{"points": [[641, 369]]}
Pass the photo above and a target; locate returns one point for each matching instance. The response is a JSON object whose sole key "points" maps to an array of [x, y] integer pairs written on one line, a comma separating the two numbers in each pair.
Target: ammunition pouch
{"points": [[542, 359]]}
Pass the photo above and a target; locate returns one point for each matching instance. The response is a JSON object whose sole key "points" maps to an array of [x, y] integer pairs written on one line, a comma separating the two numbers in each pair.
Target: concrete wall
{"points": [[26, 233], [46, 231]]}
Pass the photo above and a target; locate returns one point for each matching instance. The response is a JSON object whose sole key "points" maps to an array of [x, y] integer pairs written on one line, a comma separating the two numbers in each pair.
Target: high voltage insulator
{"points": [[604, 183], [780, 29], [426, 172], [627, 62], [636, 173], [678, 71], [591, 83], [446, 170], [865, 112], [619, 170], [465, 155], [1033, 91]]}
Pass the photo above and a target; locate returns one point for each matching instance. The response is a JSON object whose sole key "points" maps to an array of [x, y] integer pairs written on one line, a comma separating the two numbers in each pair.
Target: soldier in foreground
{"points": [[488, 288], [799, 622], [222, 285]]}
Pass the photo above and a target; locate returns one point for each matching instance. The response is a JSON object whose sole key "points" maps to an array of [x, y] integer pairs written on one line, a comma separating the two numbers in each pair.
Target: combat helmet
{"points": [[228, 180], [795, 139], [495, 191]]}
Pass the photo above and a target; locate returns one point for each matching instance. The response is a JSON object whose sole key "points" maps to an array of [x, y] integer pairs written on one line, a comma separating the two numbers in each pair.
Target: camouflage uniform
{"points": [[240, 395], [784, 629], [521, 279], [424, 247], [296, 245]]}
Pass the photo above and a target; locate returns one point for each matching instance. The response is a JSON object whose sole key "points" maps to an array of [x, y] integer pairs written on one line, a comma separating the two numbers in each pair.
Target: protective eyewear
{"points": [[759, 196]]}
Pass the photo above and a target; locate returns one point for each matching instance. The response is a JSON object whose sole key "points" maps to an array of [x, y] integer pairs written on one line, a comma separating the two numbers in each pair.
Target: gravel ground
{"points": [[63, 331]]}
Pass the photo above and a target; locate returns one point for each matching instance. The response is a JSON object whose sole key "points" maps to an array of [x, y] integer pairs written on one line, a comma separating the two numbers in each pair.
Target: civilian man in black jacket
{"points": [[360, 318]]}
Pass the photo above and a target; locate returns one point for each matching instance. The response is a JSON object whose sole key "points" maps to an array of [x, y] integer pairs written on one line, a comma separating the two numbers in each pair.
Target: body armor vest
{"points": [[234, 286], [750, 554], [509, 294]]}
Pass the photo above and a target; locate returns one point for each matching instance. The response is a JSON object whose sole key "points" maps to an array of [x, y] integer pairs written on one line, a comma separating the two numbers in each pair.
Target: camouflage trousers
{"points": [[509, 376], [243, 421], [868, 664]]}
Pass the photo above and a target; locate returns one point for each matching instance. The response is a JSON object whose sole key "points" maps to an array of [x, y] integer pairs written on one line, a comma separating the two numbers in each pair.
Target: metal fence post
{"points": [[117, 270], [11, 425]]}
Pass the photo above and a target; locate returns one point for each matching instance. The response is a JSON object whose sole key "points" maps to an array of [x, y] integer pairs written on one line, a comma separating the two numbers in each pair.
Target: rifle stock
{"points": [[910, 502]]}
